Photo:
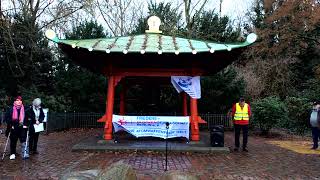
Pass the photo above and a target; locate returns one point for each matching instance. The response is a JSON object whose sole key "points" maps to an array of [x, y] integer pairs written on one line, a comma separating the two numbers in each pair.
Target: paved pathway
{"points": [[264, 160]]}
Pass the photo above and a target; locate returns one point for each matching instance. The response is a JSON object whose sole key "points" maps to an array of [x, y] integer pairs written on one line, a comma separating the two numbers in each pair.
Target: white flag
{"points": [[188, 84]]}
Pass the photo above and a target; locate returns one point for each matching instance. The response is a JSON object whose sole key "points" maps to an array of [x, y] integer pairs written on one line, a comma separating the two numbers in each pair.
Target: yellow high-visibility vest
{"points": [[241, 114]]}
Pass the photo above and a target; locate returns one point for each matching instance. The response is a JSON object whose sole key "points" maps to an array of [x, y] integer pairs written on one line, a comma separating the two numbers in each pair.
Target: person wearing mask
{"points": [[315, 123], [34, 115], [17, 128], [241, 113]]}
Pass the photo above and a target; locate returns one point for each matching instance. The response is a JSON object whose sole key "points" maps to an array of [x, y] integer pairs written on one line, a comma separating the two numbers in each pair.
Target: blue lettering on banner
{"points": [[155, 126], [146, 118]]}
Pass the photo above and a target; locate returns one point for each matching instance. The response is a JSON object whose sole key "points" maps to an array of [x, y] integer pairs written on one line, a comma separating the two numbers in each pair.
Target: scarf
{"points": [[36, 111], [15, 112]]}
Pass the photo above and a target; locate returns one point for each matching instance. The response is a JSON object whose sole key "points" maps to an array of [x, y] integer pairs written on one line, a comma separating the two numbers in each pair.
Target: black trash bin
{"points": [[217, 136]]}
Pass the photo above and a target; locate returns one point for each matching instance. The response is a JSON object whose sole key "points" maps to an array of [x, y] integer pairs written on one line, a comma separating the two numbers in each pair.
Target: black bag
{"points": [[217, 136]]}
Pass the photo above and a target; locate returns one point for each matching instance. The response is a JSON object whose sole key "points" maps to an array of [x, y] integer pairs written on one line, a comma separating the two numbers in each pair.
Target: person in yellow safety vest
{"points": [[241, 113]]}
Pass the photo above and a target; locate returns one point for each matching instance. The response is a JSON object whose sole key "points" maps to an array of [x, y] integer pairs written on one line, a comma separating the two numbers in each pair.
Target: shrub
{"points": [[268, 112], [298, 113]]}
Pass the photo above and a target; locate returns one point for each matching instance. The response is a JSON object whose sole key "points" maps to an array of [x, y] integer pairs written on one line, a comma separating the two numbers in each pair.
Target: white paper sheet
{"points": [[38, 128]]}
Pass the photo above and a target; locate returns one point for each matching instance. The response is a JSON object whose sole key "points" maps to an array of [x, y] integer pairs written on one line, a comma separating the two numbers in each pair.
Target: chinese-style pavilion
{"points": [[150, 55]]}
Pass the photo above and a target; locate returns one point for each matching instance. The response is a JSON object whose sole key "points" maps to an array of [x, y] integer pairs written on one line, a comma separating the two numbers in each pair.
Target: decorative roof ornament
{"points": [[50, 34], [154, 23], [251, 38]]}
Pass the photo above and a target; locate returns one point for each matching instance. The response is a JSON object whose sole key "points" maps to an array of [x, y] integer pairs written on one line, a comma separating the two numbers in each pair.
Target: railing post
{"points": [[74, 119], [47, 123], [65, 120], [208, 121]]}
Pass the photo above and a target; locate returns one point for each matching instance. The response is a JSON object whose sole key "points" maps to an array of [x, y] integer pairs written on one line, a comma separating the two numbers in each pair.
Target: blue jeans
{"points": [[315, 136]]}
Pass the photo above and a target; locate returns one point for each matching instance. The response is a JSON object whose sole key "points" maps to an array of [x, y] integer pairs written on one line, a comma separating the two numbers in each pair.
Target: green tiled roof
{"points": [[152, 43]]}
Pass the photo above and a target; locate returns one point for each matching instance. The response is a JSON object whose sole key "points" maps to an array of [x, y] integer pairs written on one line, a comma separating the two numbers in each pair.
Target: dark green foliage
{"points": [[312, 90], [258, 17], [220, 91], [82, 90], [86, 30], [298, 112], [25, 58], [168, 14], [54, 102], [212, 28], [268, 112]]}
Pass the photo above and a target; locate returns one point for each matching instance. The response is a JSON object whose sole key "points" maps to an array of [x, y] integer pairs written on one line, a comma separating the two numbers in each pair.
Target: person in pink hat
{"points": [[17, 128]]}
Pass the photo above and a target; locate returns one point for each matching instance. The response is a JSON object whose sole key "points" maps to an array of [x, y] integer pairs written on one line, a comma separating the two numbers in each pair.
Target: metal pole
{"points": [[47, 122], [5, 147], [74, 119], [167, 127], [25, 148], [65, 120]]}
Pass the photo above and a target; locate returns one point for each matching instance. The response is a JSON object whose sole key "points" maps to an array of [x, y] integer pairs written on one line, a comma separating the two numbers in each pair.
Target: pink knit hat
{"points": [[18, 97]]}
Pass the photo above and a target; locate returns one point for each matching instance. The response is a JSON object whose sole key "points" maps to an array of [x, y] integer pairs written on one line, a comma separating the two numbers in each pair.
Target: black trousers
{"points": [[17, 133], [33, 139], [237, 130], [315, 136]]}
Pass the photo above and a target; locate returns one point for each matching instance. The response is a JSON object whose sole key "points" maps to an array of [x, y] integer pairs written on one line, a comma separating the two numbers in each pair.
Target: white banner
{"points": [[188, 84], [155, 126]]}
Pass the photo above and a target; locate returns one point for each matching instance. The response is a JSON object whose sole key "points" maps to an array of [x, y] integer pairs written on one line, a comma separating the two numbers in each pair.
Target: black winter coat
{"points": [[10, 123], [31, 117]]}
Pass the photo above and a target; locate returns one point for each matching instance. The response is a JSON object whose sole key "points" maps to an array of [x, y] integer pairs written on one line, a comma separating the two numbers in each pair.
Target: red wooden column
{"points": [[194, 120], [109, 109], [184, 104], [123, 98]]}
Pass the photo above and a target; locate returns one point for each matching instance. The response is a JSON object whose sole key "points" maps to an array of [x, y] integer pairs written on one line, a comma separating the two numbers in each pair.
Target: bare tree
{"points": [[119, 15], [39, 14], [192, 10]]}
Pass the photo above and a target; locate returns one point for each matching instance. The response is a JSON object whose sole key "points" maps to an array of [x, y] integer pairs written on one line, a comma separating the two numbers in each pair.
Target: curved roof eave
{"points": [[152, 43]]}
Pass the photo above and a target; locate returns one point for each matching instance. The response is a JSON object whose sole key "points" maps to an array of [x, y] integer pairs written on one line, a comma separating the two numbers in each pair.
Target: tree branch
{"points": [[63, 16]]}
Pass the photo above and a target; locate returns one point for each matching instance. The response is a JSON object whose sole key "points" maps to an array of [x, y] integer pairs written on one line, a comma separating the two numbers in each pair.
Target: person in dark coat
{"points": [[315, 124], [34, 115], [17, 126]]}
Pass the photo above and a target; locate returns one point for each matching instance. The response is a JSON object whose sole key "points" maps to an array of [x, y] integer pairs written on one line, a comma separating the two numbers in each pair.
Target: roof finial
{"points": [[50, 34], [154, 24]]}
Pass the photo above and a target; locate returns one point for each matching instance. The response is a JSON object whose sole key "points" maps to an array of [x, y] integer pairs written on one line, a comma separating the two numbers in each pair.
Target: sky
{"points": [[230, 8], [235, 9]]}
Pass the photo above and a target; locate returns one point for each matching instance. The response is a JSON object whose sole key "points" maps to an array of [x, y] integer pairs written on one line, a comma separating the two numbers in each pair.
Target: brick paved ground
{"points": [[264, 161]]}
